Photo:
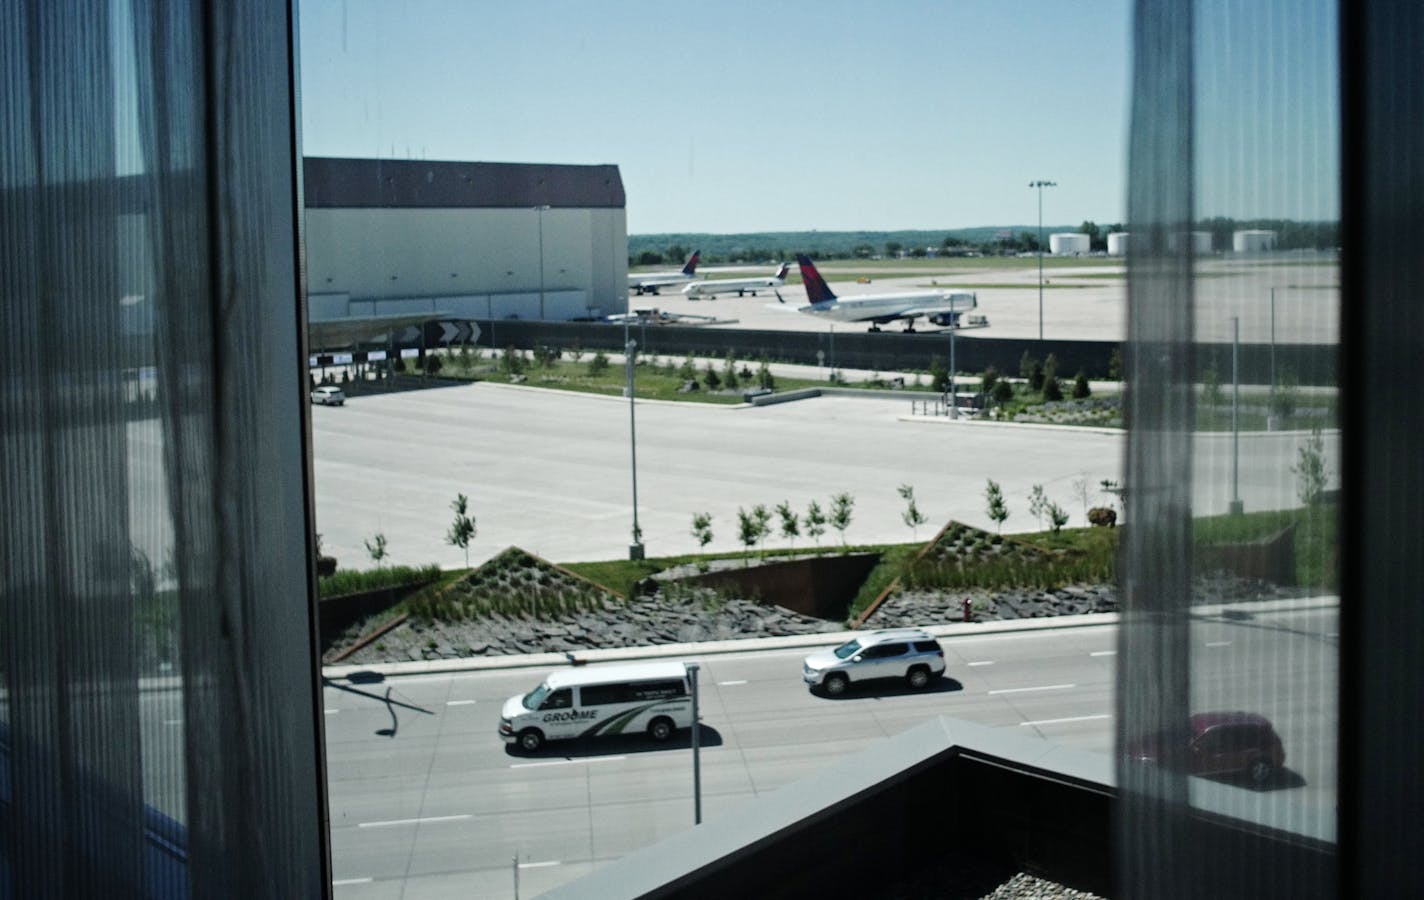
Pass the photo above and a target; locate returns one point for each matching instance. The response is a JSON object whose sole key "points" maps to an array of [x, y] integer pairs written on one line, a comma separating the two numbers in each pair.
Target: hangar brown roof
{"points": [[343, 183]]}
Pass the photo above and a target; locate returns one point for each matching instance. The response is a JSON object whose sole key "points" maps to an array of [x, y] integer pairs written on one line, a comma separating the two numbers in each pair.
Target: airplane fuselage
{"points": [[713, 287], [881, 308]]}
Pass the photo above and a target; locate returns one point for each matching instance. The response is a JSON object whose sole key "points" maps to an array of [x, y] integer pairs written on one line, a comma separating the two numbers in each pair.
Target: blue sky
{"points": [[735, 116]]}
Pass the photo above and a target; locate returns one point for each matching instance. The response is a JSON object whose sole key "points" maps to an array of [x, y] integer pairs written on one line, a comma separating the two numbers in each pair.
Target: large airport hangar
{"points": [[401, 239]]}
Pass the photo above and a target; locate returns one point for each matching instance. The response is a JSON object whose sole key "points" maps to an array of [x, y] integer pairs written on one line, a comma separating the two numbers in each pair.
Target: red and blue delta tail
{"points": [[817, 291], [691, 266]]}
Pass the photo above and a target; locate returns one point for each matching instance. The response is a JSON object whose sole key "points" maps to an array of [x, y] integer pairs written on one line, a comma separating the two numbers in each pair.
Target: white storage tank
{"points": [[1253, 241], [1068, 244], [1117, 243]]}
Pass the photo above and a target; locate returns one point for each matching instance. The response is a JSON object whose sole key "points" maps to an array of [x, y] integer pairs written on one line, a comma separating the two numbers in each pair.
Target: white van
{"points": [[651, 698]]}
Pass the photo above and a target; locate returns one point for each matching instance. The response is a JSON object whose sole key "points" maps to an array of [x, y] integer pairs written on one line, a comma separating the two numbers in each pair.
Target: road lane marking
{"points": [[982, 662], [1218, 643], [1103, 653], [423, 821], [352, 881], [172, 721], [1069, 719], [1040, 687], [540, 865], [565, 762], [331, 712], [728, 683], [459, 703]]}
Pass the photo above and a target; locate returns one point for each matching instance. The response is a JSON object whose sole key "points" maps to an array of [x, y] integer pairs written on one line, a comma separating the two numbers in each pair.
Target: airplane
{"points": [[939, 307], [649, 282], [714, 286]]}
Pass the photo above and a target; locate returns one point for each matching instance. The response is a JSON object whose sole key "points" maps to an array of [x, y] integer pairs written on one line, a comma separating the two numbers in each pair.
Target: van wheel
{"points": [[660, 729], [919, 677], [531, 739], [835, 685]]}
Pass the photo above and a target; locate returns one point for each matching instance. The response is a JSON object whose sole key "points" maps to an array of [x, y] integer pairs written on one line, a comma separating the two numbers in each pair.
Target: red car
{"points": [[1216, 743]]}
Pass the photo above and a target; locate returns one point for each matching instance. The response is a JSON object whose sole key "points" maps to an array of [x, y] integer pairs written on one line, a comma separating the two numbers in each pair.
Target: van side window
{"points": [[603, 694], [563, 698], [657, 690]]}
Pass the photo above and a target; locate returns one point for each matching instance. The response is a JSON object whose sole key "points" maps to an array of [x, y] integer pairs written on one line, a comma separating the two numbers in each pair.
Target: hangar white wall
{"points": [[486, 261]]}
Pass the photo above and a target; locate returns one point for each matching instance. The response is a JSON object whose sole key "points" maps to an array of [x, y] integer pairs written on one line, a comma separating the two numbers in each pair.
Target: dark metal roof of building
{"points": [[334, 183]]}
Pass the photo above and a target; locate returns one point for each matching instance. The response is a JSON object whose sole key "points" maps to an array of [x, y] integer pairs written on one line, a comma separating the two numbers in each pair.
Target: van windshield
{"points": [[848, 649], [535, 698]]}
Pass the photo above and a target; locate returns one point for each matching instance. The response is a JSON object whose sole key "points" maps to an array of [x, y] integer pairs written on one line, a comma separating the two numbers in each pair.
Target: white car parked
{"points": [[328, 395]]}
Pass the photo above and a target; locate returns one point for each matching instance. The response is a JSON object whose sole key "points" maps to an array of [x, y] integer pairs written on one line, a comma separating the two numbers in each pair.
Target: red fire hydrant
{"points": [[968, 610]]}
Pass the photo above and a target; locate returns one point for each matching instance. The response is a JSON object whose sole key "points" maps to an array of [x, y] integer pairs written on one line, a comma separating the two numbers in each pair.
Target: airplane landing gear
{"points": [[874, 328]]}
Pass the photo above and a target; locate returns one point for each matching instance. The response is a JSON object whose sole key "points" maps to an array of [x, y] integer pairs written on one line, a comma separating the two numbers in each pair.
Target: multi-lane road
{"points": [[427, 802]]}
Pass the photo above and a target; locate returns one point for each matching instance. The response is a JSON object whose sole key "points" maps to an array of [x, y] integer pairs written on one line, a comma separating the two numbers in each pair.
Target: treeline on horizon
{"points": [[988, 240]]}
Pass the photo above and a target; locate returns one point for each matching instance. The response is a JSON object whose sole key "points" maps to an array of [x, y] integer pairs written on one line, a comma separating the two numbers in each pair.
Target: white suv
{"points": [[328, 395], [908, 653]]}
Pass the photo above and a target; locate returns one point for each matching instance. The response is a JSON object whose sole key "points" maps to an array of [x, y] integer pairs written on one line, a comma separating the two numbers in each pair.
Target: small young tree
{"points": [[1052, 390], [761, 519], [511, 361], [1115, 364], [912, 515], [1003, 391], [598, 363], [712, 379], [841, 506], [729, 372], [702, 531], [746, 532], [462, 529], [790, 522], [989, 381], [764, 377], [1038, 504], [939, 375], [1057, 517], [376, 546], [815, 521], [1211, 395], [1309, 469], [998, 510], [688, 370], [1081, 389]]}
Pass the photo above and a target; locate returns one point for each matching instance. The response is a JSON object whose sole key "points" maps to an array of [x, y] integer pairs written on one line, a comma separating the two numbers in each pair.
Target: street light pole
{"points": [[696, 748], [630, 349], [540, 210], [1040, 185], [1236, 506]]}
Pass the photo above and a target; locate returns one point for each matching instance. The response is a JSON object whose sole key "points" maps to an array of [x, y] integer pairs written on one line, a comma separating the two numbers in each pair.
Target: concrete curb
{"points": [[789, 642]]}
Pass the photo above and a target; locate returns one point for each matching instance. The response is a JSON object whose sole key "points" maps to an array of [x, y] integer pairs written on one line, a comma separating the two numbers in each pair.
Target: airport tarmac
{"points": [[1080, 302], [551, 471]]}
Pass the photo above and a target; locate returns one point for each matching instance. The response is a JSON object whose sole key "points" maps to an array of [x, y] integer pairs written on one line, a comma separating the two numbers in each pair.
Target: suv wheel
{"points": [[918, 677], [835, 684]]}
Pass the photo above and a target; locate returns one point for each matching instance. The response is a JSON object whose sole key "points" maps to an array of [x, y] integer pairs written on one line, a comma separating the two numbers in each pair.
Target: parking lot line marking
{"points": [[459, 703], [565, 762], [540, 865], [1040, 687], [981, 662], [727, 683], [1218, 643], [1069, 719], [342, 881], [392, 822], [1103, 653]]}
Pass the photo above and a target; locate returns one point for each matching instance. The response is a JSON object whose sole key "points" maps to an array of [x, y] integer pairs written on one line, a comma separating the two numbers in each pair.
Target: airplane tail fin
{"points": [[817, 291], [691, 266], [781, 272]]}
